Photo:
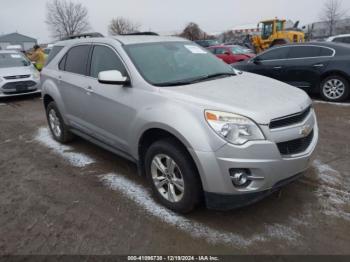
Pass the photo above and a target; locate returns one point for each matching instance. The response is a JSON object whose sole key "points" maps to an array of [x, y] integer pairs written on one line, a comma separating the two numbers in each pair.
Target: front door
{"points": [[110, 111]]}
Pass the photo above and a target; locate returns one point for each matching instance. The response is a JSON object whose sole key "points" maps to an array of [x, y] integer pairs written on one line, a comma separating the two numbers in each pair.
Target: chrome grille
{"points": [[290, 120], [16, 77]]}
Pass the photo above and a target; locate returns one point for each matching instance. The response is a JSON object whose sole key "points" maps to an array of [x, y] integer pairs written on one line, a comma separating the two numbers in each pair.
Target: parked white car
{"points": [[18, 48], [340, 39], [18, 76]]}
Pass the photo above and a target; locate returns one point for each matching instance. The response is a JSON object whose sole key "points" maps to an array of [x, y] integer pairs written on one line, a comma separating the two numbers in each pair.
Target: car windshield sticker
{"points": [[15, 56], [195, 49]]}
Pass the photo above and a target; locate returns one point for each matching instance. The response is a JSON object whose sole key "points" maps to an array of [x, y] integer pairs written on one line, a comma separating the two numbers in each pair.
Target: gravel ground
{"points": [[80, 199]]}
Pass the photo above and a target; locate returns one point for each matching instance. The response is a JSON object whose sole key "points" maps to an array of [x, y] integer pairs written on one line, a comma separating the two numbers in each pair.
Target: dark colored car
{"points": [[231, 54], [314, 67]]}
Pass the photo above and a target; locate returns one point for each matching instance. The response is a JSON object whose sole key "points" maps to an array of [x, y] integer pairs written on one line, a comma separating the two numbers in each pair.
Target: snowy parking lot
{"points": [[81, 199]]}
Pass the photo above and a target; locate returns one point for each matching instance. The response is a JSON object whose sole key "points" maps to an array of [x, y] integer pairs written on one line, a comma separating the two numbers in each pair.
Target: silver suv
{"points": [[197, 129]]}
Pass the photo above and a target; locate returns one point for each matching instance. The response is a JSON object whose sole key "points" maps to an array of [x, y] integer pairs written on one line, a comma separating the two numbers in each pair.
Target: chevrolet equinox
{"points": [[199, 130]]}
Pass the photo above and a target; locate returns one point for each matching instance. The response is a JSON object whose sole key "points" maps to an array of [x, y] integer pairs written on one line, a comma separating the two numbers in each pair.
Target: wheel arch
{"points": [[47, 99], [152, 135], [336, 73]]}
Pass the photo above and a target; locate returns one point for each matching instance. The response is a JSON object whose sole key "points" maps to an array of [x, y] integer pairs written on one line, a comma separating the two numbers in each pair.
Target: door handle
{"points": [[89, 90], [319, 65], [277, 67]]}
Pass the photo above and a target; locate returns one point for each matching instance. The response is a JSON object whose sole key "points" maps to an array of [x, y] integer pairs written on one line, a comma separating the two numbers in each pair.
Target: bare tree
{"points": [[121, 25], [332, 13], [193, 32], [65, 18]]}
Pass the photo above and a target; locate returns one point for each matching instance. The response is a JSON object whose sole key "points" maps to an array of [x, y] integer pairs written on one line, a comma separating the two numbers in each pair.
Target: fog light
{"points": [[240, 177]]}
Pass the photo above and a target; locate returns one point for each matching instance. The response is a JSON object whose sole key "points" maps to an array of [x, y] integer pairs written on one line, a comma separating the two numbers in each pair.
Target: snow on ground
{"points": [[332, 201], [76, 159], [143, 198], [330, 194]]}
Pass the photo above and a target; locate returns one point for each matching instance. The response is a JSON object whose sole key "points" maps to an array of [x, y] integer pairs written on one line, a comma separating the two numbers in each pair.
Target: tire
{"points": [[184, 171], [59, 130], [334, 88]]}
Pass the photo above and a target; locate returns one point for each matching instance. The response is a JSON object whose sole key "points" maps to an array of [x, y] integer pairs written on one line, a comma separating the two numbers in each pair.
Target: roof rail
{"points": [[141, 33], [85, 35]]}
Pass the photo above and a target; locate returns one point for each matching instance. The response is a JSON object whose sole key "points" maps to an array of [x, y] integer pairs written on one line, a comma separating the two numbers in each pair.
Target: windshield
{"points": [[13, 60], [175, 62]]}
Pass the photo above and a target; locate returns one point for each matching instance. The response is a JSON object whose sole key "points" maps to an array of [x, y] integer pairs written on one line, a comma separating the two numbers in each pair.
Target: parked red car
{"points": [[231, 53]]}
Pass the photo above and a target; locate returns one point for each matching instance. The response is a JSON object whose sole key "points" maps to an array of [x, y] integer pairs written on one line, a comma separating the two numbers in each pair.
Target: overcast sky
{"points": [[28, 16]]}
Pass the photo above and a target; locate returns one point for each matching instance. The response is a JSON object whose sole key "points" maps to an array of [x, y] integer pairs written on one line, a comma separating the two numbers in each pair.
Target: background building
{"points": [[17, 39], [320, 30]]}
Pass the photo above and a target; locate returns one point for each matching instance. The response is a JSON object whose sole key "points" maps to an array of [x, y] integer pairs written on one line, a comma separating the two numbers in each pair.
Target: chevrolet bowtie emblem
{"points": [[305, 130]]}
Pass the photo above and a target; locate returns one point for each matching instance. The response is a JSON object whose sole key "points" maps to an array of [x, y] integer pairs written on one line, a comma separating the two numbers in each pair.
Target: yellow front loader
{"points": [[274, 32]]}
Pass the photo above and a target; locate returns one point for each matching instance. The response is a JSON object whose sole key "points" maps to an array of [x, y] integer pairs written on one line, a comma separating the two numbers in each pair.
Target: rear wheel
{"points": [[335, 88], [59, 130], [173, 176]]}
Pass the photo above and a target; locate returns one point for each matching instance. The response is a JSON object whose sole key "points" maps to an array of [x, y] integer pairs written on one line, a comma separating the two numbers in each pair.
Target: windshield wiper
{"points": [[196, 80], [217, 75]]}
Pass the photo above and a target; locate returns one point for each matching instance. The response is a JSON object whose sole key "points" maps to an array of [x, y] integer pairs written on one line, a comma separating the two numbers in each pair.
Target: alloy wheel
{"points": [[167, 178], [55, 123], [333, 89]]}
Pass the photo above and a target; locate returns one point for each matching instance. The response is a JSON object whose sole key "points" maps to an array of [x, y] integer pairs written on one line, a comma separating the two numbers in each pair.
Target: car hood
{"points": [[14, 71], [259, 98]]}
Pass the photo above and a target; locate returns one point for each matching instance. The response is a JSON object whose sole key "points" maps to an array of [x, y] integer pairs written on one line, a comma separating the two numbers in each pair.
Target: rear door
{"points": [[271, 63], [72, 78], [305, 64]]}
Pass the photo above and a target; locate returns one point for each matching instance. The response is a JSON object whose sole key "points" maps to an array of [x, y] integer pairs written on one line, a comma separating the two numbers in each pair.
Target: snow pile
{"points": [[76, 159]]}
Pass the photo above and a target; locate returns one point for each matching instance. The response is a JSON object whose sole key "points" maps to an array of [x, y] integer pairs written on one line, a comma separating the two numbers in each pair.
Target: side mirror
{"points": [[256, 60], [112, 77], [227, 53]]}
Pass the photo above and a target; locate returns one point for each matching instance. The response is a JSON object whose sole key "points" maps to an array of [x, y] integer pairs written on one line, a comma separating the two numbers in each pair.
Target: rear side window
{"points": [[338, 40], [62, 64], [104, 59], [275, 54], [346, 40], [326, 52], [76, 59], [304, 51], [55, 50]]}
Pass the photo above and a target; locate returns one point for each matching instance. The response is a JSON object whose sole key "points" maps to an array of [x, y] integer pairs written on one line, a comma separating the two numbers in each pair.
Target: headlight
{"points": [[36, 75], [235, 129]]}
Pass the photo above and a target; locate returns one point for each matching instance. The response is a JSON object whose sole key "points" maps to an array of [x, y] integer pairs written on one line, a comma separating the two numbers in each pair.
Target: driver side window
{"points": [[104, 59]]}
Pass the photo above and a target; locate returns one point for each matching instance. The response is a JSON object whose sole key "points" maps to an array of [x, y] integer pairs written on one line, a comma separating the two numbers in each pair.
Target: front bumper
{"points": [[262, 158], [13, 91]]}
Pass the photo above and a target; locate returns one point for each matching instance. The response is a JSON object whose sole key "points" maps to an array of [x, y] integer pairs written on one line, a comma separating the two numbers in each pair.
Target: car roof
{"points": [[323, 44], [338, 36], [8, 52], [125, 39]]}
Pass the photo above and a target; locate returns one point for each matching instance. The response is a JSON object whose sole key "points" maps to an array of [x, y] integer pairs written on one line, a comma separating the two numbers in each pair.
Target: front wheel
{"points": [[335, 89], [173, 177]]}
